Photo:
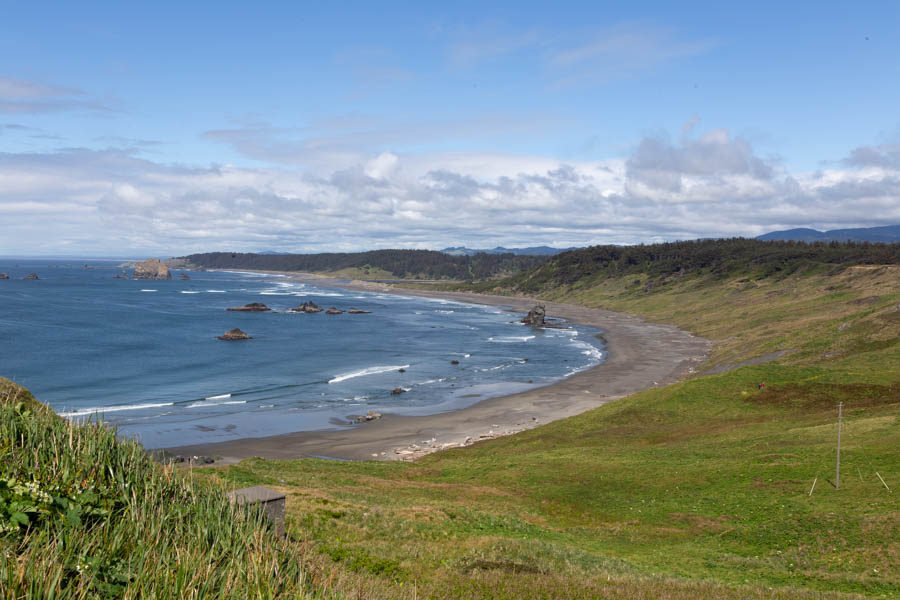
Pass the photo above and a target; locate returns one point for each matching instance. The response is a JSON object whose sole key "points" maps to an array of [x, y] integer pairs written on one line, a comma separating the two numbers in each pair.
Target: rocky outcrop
{"points": [[234, 335], [4, 276], [359, 311], [369, 416], [31, 276], [308, 307], [152, 268], [334, 311], [252, 307], [535, 316]]}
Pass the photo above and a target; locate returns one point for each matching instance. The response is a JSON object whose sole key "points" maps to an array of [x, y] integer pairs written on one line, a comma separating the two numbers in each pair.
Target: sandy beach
{"points": [[640, 355]]}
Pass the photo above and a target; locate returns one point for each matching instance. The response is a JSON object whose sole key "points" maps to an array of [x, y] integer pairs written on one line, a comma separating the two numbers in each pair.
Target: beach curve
{"points": [[640, 355]]}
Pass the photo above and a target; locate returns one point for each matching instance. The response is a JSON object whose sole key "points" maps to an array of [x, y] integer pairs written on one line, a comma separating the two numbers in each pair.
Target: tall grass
{"points": [[84, 515]]}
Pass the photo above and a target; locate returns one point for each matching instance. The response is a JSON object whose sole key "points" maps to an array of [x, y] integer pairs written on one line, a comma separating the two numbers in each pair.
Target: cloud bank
{"points": [[708, 185]]}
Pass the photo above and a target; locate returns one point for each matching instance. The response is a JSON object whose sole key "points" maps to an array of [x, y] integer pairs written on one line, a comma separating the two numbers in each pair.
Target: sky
{"points": [[173, 128]]}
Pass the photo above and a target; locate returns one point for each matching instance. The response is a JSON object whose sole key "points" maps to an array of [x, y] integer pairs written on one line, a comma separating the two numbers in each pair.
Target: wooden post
{"points": [[837, 468]]}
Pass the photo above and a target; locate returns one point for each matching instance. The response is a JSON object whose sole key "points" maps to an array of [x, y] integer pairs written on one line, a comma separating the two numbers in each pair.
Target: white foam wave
{"points": [[202, 404], [220, 397], [441, 380], [83, 412], [445, 312], [148, 290], [589, 350], [511, 339], [364, 372], [274, 293], [188, 292], [216, 291]]}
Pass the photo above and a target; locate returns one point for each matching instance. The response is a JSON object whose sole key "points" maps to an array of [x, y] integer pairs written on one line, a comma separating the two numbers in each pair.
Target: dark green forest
{"points": [[402, 264], [718, 258]]}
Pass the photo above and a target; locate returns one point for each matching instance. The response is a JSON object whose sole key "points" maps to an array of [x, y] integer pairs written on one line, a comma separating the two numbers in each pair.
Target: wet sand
{"points": [[640, 355]]}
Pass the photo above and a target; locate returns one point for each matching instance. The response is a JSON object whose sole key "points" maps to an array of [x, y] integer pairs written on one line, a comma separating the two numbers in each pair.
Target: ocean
{"points": [[143, 355]]}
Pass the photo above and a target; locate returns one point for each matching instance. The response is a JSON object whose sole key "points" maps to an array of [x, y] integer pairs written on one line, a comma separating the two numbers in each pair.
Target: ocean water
{"points": [[144, 354]]}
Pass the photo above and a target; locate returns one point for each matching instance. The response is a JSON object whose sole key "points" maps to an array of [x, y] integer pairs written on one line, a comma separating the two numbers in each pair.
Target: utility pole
{"points": [[837, 470]]}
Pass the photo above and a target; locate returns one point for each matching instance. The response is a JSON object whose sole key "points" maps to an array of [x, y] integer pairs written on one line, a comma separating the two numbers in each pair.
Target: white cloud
{"points": [[710, 185]]}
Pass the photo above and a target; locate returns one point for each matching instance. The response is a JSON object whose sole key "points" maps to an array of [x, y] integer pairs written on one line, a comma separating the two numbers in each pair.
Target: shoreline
{"points": [[640, 355]]}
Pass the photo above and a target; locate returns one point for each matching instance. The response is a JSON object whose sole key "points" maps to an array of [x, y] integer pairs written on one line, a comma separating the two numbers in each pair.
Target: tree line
{"points": [[402, 264]]}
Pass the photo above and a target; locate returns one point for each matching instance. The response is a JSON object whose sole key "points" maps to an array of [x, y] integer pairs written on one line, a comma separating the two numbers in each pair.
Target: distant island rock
{"points": [[359, 311], [252, 307], [308, 307], [334, 311], [152, 268], [4, 276], [234, 335], [31, 276]]}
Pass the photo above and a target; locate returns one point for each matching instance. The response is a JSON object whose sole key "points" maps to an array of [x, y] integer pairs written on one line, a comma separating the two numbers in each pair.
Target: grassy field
{"points": [[696, 490]]}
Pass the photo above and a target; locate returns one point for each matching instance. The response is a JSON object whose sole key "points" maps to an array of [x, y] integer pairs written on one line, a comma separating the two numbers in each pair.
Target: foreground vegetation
{"points": [[83, 515], [376, 264]]}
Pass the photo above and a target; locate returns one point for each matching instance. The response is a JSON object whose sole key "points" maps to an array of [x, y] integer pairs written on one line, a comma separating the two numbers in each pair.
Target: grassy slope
{"points": [[670, 493], [83, 515]]}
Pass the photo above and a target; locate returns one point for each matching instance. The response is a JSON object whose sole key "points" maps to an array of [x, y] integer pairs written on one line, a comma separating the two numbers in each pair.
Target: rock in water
{"points": [[397, 391], [334, 311], [252, 307], [31, 276], [359, 311], [535, 316], [308, 307], [234, 335], [4, 276], [184, 277], [152, 268]]}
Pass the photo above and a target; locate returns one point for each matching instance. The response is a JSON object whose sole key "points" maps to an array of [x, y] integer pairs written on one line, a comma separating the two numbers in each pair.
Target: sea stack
{"points": [[535, 316], [152, 268], [308, 307], [234, 335], [252, 307]]}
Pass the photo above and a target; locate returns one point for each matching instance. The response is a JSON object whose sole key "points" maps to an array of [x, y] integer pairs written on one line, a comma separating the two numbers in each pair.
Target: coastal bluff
{"points": [[152, 268]]}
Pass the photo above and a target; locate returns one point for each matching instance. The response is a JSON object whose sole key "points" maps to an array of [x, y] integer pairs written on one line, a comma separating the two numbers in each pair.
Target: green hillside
{"points": [[376, 264]]}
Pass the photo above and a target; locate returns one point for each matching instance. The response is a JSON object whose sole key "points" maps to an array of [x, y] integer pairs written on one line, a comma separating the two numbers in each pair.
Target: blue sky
{"points": [[347, 126]]}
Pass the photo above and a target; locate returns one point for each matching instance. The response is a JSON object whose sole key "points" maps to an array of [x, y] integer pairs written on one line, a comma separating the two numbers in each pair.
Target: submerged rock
{"points": [[252, 307], [535, 316], [152, 268], [308, 307], [234, 335], [334, 311]]}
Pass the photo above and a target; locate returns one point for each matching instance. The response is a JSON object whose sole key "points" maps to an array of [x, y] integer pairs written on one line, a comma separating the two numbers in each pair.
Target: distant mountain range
{"points": [[532, 251], [887, 234]]}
